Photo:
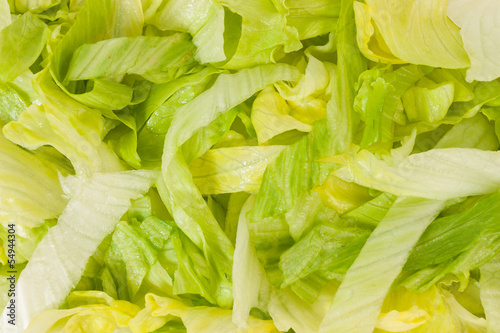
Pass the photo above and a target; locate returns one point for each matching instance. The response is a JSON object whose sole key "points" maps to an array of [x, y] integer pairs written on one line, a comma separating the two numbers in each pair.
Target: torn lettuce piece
{"points": [[435, 174], [455, 244], [480, 36], [33, 6], [20, 45], [417, 32], [428, 101], [72, 128], [119, 56], [97, 20], [23, 176], [192, 122], [131, 261], [379, 100], [265, 34], [271, 116], [250, 284], [204, 21], [359, 299], [326, 250], [291, 312], [476, 132], [464, 91], [490, 291], [312, 18], [229, 170], [159, 311], [59, 260], [5, 18], [155, 114]]}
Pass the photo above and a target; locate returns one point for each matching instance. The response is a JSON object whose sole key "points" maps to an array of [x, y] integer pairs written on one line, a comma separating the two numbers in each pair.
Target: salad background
{"points": [[262, 166]]}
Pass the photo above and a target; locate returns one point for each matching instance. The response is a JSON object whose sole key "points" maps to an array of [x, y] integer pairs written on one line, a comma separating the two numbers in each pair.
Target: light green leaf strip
{"points": [[358, 301], [58, 262], [414, 31], [176, 185], [130, 55], [204, 20], [34, 6], [65, 124], [478, 23], [342, 120], [5, 18], [97, 20], [229, 170], [248, 274], [23, 177], [20, 45], [226, 93], [490, 293], [435, 174]]}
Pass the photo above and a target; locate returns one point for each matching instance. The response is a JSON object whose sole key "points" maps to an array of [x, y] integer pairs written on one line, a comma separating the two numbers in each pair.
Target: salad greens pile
{"points": [[249, 166]]}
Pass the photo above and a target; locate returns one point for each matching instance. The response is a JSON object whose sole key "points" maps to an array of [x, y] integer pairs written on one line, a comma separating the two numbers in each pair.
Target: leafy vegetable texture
{"points": [[249, 166]]}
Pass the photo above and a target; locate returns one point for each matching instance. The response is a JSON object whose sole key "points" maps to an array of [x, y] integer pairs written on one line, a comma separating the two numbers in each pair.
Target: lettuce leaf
{"points": [[119, 56], [417, 32], [489, 293], [359, 298], [244, 171], [60, 258], [480, 42], [204, 21], [20, 45], [436, 174]]}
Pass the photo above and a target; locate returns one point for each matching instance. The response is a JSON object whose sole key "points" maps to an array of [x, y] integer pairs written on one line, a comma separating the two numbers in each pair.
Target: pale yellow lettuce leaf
{"points": [[480, 31], [413, 31], [235, 169], [271, 116]]}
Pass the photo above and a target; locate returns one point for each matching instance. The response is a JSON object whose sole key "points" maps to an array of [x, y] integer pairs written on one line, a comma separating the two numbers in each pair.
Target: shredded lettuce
{"points": [[266, 166]]}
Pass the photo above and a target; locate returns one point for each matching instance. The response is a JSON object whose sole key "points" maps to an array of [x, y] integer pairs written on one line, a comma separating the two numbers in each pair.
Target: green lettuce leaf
{"points": [[428, 101], [436, 174], [418, 32], [229, 170], [271, 116], [312, 18], [160, 310], [379, 100], [96, 205], [118, 56], [5, 18], [23, 6], [20, 45], [476, 132], [291, 312], [24, 175], [265, 34], [204, 21], [97, 20], [131, 260], [342, 120], [193, 216], [480, 42], [250, 285], [217, 100], [84, 308], [455, 244], [490, 291], [162, 105], [72, 128], [359, 298]]}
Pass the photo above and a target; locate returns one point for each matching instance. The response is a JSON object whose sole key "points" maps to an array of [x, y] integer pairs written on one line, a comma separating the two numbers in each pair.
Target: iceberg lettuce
{"points": [[265, 166]]}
